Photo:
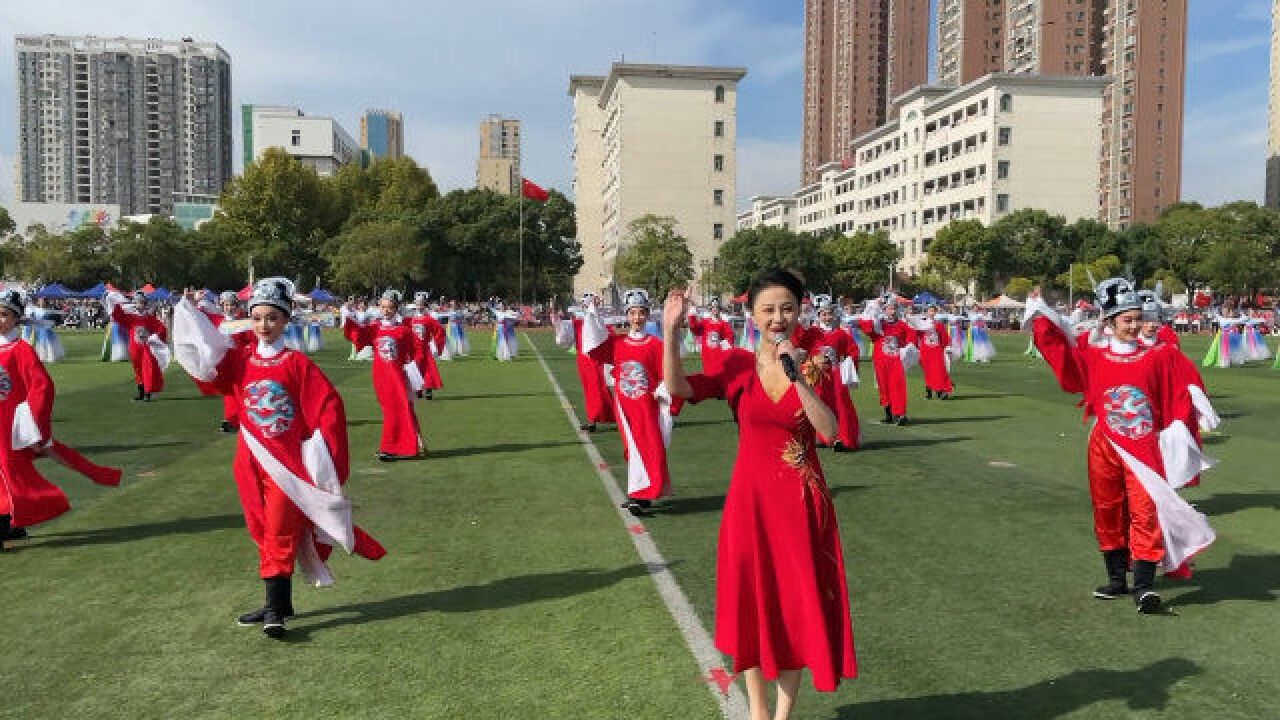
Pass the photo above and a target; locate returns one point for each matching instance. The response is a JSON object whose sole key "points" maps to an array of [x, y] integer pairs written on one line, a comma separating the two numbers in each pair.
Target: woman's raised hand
{"points": [[675, 309]]}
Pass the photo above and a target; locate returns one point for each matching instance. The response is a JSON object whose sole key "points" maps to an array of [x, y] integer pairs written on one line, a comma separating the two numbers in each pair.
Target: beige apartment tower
{"points": [[1272, 195], [498, 164], [1139, 44], [859, 55], [672, 152]]}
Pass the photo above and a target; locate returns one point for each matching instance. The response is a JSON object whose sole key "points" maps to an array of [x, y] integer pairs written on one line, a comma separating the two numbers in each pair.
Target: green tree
{"points": [[552, 255], [964, 252], [654, 256], [1091, 240], [153, 252], [388, 190], [213, 262], [1078, 275], [1018, 288], [1187, 231], [1035, 244], [860, 262], [751, 252], [7, 225], [375, 255], [1139, 248], [468, 239]]}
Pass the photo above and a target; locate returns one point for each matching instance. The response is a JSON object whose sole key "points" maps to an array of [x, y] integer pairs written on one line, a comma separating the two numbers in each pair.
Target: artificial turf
{"points": [[971, 558]]}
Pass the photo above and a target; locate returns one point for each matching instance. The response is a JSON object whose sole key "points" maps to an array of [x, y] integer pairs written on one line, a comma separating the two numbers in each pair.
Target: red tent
{"points": [[741, 298], [245, 293], [1203, 300], [148, 288]]}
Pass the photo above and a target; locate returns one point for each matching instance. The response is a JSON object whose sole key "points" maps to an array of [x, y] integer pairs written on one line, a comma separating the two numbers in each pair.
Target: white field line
{"points": [[733, 704]]}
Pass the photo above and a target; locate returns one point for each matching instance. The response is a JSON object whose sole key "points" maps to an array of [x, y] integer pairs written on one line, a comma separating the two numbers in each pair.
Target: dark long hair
{"points": [[775, 278]]}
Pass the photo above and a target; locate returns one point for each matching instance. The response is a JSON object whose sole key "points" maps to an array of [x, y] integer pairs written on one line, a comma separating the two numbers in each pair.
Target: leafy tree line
{"points": [[360, 230], [1233, 249]]}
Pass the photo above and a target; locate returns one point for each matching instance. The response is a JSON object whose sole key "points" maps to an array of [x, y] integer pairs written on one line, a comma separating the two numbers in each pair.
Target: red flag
{"points": [[532, 191]]}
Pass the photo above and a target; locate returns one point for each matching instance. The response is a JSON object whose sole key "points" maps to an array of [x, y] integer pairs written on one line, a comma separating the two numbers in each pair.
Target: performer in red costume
{"points": [[430, 337], [292, 458], [782, 604], [1140, 449], [148, 342], [597, 401], [889, 354], [934, 342], [643, 407], [26, 416], [835, 357], [224, 318], [395, 377], [714, 333]]}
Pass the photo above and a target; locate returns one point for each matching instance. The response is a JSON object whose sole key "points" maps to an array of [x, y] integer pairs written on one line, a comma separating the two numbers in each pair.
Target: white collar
{"points": [[10, 337], [1122, 347], [826, 328], [397, 320], [270, 349], [637, 334]]}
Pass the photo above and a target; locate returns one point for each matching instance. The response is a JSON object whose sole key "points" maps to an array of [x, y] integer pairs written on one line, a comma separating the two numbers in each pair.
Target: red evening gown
{"points": [[781, 599]]}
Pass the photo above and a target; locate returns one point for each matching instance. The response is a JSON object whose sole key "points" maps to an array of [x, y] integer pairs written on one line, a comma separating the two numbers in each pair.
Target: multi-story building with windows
{"points": [[1001, 143], [382, 134], [859, 55], [318, 142], [1272, 192], [123, 121], [769, 211], [498, 164], [671, 152]]}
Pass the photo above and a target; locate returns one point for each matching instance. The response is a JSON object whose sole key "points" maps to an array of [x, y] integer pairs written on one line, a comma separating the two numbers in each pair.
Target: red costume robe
{"points": [[290, 414], [1139, 449], [597, 401], [933, 345], [643, 421], [139, 327], [1167, 334], [26, 401], [394, 346], [230, 406], [715, 337], [782, 602], [840, 349], [430, 341], [891, 377]]}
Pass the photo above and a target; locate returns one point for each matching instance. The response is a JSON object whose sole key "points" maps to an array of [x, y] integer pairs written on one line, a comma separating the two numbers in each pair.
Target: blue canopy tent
{"points": [[96, 292], [160, 294], [320, 295], [55, 291], [926, 298]]}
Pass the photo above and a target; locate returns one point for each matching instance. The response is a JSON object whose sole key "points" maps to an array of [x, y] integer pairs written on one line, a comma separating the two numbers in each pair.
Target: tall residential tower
{"points": [[382, 134], [131, 122], [498, 164]]}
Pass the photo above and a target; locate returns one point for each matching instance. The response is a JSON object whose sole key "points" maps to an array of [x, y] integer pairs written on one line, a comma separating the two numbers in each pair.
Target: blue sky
{"points": [[446, 65]]}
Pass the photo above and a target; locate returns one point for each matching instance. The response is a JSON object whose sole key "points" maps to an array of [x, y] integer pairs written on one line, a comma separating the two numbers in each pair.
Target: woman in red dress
{"points": [[395, 377], [781, 600], [430, 336], [148, 350]]}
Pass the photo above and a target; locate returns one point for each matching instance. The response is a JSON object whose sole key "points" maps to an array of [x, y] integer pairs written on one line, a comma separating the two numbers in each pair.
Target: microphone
{"points": [[788, 362]]}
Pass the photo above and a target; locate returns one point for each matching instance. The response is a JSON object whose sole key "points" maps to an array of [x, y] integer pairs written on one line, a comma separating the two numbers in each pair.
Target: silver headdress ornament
{"points": [[274, 291], [821, 302], [139, 298], [421, 297], [1117, 295], [714, 302], [636, 298], [14, 301], [393, 295], [588, 297], [229, 297]]}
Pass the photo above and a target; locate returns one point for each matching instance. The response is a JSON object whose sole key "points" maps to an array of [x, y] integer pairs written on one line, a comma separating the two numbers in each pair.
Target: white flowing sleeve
{"points": [[1037, 306], [160, 350], [412, 372], [1206, 415], [594, 333], [1181, 455], [564, 333], [198, 346], [910, 356], [849, 372]]}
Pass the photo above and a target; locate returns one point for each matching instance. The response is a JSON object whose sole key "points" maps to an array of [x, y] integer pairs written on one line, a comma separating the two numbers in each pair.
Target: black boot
{"points": [[4, 530], [141, 394], [928, 394], [888, 416], [1144, 583], [256, 617], [279, 605], [1117, 562]]}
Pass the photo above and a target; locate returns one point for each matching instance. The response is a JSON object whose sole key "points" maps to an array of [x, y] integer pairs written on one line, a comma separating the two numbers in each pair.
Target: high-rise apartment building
{"points": [[1272, 195], [498, 164], [859, 56], [1139, 44], [318, 142], [382, 134], [130, 122], [671, 153]]}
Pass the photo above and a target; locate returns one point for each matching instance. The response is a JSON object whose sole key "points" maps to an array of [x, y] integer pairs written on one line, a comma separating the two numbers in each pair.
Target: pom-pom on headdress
{"points": [[1116, 295], [229, 297], [393, 295], [274, 291], [636, 298], [421, 297], [822, 302]]}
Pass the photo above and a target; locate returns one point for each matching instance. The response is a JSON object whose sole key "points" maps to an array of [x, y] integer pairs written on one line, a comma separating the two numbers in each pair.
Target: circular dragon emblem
{"points": [[6, 384], [633, 379], [387, 349], [1127, 412], [931, 338], [269, 407], [713, 338], [140, 334], [890, 345]]}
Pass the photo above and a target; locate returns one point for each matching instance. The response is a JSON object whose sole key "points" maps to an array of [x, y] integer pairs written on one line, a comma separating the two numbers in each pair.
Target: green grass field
{"points": [[512, 591]]}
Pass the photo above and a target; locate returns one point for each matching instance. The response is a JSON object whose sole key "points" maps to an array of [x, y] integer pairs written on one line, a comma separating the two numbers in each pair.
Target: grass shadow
{"points": [[502, 593], [715, 503], [910, 442], [107, 449], [1248, 577], [1144, 688], [978, 396], [696, 423], [132, 533], [1226, 503], [490, 396], [947, 420], [494, 449]]}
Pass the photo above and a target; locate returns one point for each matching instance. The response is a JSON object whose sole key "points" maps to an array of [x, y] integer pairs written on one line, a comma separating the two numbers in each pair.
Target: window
{"points": [[717, 231], [1006, 102], [1002, 203], [717, 197], [719, 129], [717, 163], [295, 138], [1002, 169], [1004, 136], [719, 93]]}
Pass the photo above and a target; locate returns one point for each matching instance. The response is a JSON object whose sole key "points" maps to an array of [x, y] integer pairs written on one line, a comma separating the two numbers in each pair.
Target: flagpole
{"points": [[520, 298]]}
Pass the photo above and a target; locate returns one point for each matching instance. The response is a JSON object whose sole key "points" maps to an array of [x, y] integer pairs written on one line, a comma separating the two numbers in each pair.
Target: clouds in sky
{"points": [[446, 65]]}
